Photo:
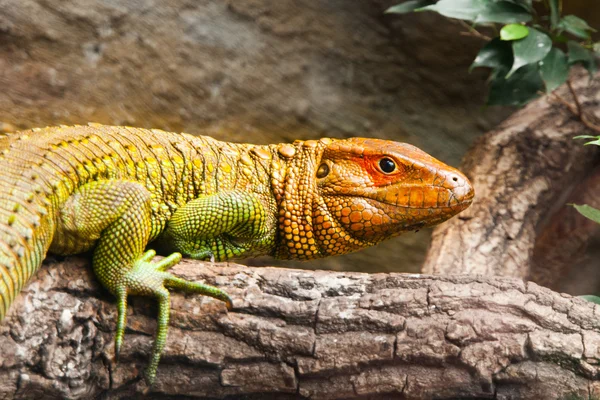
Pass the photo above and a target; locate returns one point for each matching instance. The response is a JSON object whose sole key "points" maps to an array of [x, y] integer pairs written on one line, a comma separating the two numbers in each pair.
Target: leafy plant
{"points": [[531, 52]]}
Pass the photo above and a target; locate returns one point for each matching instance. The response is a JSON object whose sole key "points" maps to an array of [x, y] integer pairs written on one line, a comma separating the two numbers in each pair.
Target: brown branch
{"points": [[575, 98], [297, 334], [522, 172], [576, 110], [472, 32]]}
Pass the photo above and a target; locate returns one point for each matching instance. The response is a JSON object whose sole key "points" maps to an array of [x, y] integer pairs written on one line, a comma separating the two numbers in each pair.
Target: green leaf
{"points": [[596, 140], [495, 54], [554, 13], [513, 32], [530, 49], [526, 4], [503, 12], [596, 48], [588, 212], [459, 9], [576, 26], [480, 11], [520, 88], [554, 69], [592, 298], [408, 6], [579, 54]]}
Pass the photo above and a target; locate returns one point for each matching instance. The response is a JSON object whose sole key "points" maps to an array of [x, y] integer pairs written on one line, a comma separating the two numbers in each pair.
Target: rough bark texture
{"points": [[305, 334], [522, 171], [561, 244]]}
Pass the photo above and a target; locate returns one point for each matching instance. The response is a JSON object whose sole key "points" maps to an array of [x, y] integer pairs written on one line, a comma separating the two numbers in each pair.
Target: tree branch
{"points": [[297, 334], [576, 110]]}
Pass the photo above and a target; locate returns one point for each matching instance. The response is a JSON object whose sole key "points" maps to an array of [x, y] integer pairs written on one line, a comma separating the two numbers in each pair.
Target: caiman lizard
{"points": [[115, 190]]}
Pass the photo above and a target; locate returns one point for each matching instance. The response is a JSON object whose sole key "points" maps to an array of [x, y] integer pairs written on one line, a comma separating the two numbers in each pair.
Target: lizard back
{"points": [[41, 168]]}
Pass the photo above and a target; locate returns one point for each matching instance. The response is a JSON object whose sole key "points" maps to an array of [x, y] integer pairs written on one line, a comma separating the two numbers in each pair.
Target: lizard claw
{"points": [[150, 279]]}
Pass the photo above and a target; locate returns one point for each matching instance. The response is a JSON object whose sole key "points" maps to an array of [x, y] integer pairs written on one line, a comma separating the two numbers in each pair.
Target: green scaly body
{"points": [[116, 189]]}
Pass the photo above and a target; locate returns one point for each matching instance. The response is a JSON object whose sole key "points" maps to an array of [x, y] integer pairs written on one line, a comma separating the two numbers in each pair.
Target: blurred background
{"points": [[255, 71]]}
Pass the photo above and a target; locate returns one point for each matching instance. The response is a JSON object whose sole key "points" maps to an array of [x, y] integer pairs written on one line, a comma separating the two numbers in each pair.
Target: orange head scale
{"points": [[345, 195]]}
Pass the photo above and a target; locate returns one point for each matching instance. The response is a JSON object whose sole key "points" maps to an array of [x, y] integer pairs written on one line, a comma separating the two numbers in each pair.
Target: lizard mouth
{"points": [[426, 198], [451, 192], [435, 198], [389, 212]]}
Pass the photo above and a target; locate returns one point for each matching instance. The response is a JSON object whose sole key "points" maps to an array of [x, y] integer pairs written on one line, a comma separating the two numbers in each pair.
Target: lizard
{"points": [[125, 192]]}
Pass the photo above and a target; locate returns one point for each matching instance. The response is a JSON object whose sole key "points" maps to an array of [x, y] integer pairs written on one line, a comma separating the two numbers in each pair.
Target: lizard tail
{"points": [[9, 285], [26, 230], [24, 241]]}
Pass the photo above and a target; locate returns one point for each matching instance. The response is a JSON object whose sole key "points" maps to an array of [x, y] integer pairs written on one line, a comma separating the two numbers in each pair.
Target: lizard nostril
{"points": [[455, 179]]}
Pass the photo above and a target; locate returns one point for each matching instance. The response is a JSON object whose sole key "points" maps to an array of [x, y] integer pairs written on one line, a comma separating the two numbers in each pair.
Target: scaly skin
{"points": [[115, 189]]}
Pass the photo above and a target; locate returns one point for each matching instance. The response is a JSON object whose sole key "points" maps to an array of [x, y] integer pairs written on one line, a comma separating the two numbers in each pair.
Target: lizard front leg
{"points": [[229, 224], [117, 215]]}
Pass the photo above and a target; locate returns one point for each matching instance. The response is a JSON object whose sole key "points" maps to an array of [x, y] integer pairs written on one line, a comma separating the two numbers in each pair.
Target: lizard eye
{"points": [[387, 165], [323, 170]]}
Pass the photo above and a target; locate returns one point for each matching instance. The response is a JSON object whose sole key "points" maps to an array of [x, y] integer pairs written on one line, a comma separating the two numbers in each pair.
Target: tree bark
{"points": [[304, 334], [522, 172], [560, 244]]}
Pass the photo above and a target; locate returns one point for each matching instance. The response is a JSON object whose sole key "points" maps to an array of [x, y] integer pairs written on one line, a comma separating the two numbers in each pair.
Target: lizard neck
{"points": [[307, 229]]}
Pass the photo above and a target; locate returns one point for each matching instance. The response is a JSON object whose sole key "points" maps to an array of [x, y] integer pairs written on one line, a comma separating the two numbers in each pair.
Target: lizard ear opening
{"points": [[323, 170]]}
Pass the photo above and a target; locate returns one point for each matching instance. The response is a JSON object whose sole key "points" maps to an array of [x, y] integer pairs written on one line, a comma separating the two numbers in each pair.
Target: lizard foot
{"points": [[149, 278]]}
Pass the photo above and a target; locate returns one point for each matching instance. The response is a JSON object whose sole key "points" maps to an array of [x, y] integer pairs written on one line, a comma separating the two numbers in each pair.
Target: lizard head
{"points": [[362, 191]]}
